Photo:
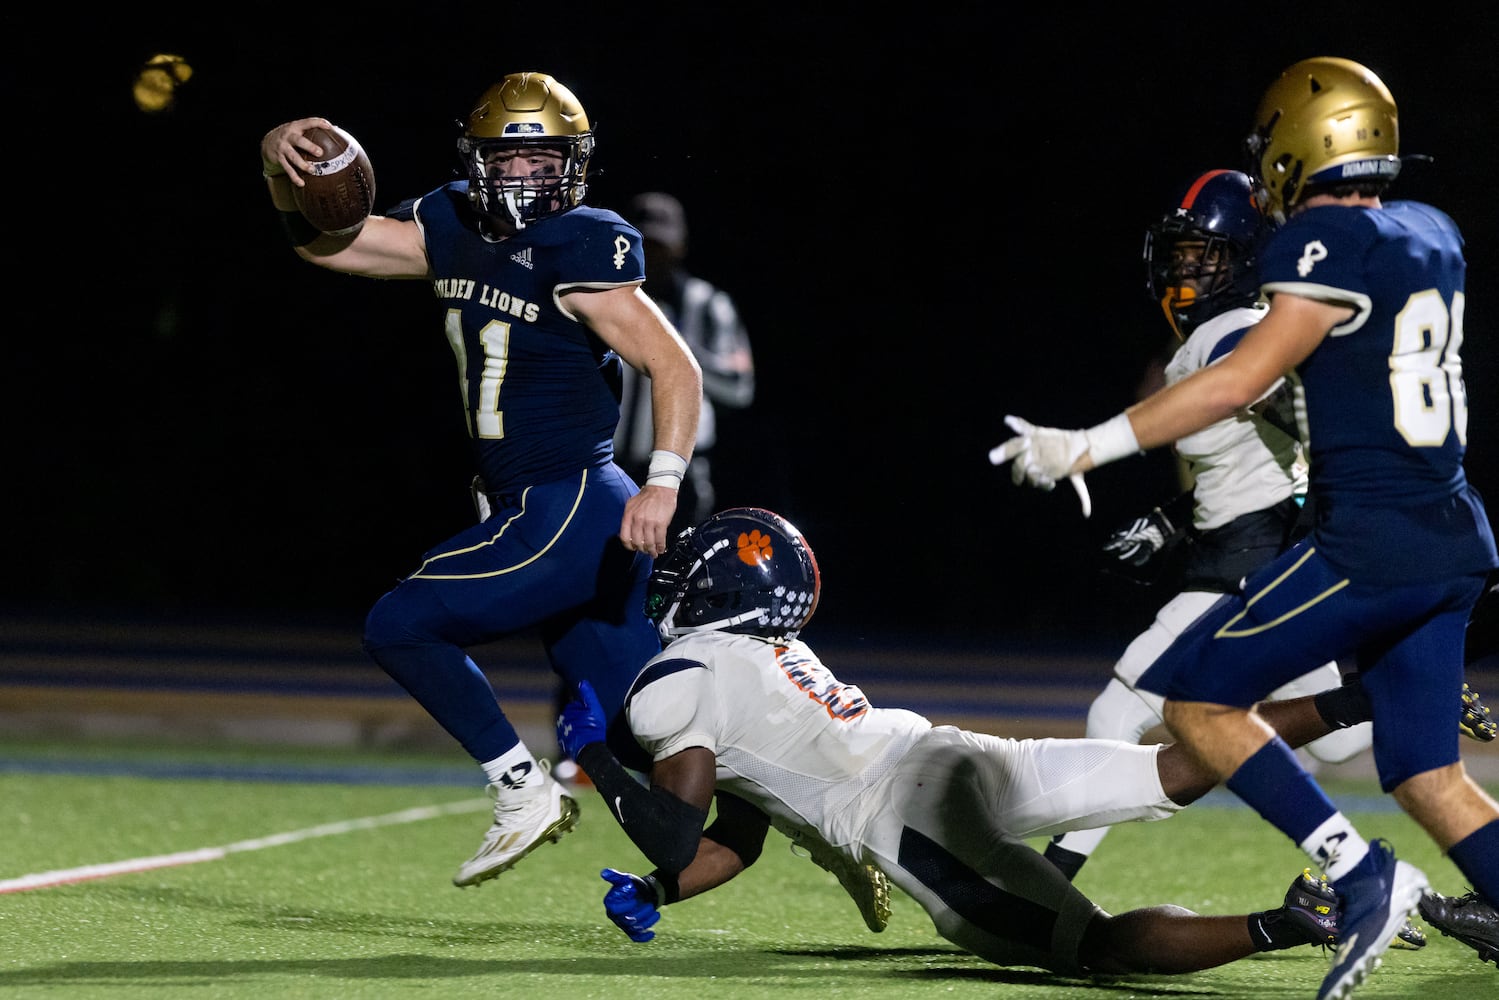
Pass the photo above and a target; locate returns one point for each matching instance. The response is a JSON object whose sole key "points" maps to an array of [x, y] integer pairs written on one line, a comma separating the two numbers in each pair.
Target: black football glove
{"points": [[1139, 543]]}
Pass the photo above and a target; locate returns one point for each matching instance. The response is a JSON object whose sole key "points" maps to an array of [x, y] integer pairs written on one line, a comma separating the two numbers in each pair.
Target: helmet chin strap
{"points": [[670, 628], [758, 614]]}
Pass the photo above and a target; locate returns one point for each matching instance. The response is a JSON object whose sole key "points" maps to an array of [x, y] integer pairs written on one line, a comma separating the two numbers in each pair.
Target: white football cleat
{"points": [[524, 819]]}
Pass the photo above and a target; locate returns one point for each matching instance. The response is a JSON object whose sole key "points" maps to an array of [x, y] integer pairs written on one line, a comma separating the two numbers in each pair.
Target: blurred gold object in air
{"points": [[157, 80]]}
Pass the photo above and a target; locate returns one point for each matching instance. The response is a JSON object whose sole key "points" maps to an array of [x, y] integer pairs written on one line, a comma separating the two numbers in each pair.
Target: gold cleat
{"points": [[866, 885]]}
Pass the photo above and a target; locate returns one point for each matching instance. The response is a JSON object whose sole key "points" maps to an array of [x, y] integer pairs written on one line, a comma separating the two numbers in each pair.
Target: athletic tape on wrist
{"points": [[1111, 440], [666, 469]]}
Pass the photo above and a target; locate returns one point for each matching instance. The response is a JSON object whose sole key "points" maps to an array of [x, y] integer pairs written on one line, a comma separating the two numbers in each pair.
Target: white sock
{"points": [[1335, 846], [513, 769]]}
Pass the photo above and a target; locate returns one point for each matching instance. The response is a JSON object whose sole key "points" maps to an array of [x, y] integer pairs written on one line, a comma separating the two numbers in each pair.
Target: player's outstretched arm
{"points": [[382, 247], [1290, 331]]}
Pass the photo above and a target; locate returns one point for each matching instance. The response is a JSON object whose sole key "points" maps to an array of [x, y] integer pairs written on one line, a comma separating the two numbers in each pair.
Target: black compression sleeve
{"points": [[1344, 706], [740, 827], [665, 828]]}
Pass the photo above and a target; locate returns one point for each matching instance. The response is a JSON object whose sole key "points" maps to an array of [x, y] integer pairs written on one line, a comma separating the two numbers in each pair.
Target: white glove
{"points": [[1042, 455]]}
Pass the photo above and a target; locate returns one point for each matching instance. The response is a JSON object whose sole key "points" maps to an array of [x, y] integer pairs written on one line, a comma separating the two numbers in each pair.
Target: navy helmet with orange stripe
{"points": [[1200, 256]]}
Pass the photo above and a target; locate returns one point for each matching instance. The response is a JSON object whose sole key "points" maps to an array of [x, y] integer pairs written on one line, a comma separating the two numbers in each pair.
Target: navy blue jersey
{"points": [[540, 390], [1381, 401]]}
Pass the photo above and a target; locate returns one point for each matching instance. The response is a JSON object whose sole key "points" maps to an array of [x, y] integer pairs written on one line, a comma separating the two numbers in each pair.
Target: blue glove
{"points": [[631, 903], [581, 722]]}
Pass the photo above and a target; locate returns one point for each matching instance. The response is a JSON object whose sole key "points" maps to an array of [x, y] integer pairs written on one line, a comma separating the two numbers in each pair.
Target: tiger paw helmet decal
{"points": [[755, 547]]}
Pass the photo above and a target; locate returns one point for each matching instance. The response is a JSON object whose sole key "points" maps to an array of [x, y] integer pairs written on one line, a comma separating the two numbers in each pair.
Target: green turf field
{"points": [[342, 909]]}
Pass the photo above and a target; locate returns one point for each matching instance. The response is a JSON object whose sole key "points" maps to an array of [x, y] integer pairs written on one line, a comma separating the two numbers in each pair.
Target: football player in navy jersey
{"points": [[1366, 320], [1248, 474], [539, 298]]}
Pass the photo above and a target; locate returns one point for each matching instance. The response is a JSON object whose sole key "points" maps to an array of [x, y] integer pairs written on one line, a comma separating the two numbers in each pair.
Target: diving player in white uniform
{"points": [[737, 705]]}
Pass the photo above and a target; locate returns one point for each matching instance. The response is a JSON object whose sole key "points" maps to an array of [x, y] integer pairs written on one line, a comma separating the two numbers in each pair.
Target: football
{"points": [[339, 192]]}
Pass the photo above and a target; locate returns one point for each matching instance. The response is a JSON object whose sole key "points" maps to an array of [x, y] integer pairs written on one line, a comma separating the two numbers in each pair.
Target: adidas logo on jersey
{"points": [[523, 258]]}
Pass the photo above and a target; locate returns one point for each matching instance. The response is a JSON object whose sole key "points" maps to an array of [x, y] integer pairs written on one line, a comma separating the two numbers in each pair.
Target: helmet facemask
{"points": [[1199, 257], [1190, 273], [517, 201]]}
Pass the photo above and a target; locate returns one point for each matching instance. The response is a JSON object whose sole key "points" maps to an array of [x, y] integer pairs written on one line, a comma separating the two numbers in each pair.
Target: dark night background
{"points": [[928, 220]]}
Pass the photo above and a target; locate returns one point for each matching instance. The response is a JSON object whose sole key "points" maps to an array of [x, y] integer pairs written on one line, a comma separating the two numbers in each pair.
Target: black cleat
{"points": [[1312, 907], [1467, 918]]}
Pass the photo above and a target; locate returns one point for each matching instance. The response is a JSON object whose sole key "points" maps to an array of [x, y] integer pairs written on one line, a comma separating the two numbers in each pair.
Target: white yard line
{"points": [[83, 873]]}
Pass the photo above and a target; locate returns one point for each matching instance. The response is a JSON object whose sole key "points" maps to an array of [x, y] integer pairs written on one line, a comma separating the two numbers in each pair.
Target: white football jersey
{"points": [[942, 811], [1243, 463], [789, 736]]}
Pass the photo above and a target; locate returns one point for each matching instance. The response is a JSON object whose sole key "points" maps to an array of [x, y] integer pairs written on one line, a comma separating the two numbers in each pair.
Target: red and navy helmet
{"points": [[743, 570], [1200, 256]]}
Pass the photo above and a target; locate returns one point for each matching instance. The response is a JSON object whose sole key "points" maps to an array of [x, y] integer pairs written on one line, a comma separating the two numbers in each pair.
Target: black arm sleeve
{"points": [[297, 230], [740, 827], [665, 828]]}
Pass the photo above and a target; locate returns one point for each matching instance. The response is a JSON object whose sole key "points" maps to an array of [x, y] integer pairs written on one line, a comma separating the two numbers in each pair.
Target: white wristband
{"points": [[666, 469], [1111, 440]]}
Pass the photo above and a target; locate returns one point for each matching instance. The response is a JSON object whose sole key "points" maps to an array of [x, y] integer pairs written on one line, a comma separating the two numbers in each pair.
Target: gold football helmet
{"points": [[526, 110], [1326, 121]]}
